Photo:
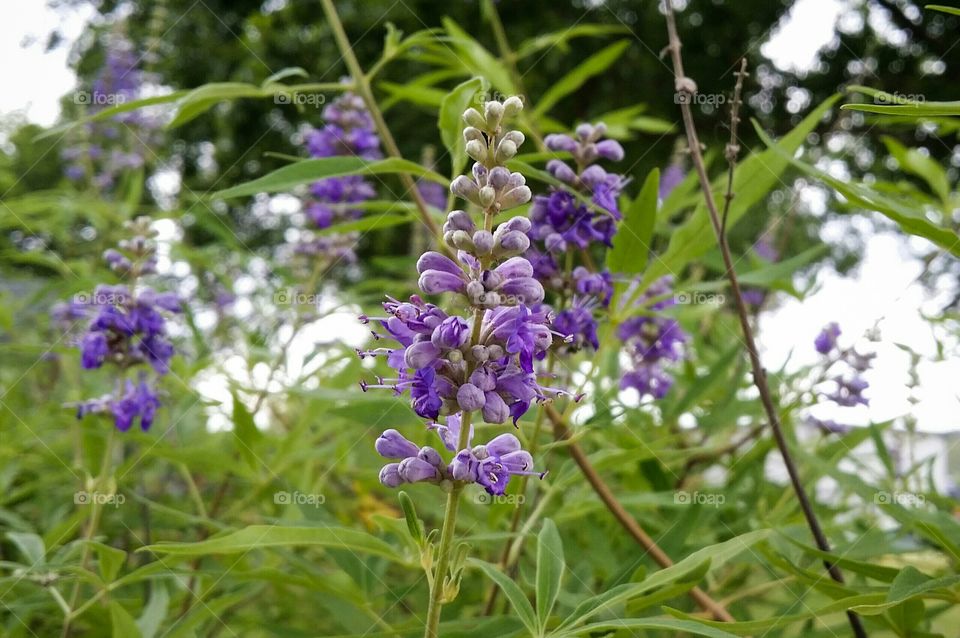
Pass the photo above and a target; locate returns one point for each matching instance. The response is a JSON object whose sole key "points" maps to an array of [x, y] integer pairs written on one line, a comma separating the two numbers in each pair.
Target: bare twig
{"points": [[733, 147], [562, 433], [686, 86]]}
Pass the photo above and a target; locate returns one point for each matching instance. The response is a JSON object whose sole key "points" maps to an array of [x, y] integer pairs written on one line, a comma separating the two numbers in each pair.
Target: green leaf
{"points": [[631, 244], [451, 121], [245, 432], [594, 65], [559, 39], [270, 536], [756, 176], [910, 220], [30, 545], [550, 567], [122, 622], [283, 74], [310, 170], [155, 610], [513, 593], [110, 560], [414, 526], [892, 104], [476, 59], [366, 224], [783, 270], [945, 9], [675, 627], [916, 163]]}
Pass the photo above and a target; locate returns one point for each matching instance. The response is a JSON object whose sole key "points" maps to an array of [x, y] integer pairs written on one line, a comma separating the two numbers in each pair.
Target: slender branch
{"points": [[562, 433], [362, 83], [733, 146], [686, 86]]}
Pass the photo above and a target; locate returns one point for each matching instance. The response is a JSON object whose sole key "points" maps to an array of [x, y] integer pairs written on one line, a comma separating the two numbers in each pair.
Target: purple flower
{"points": [[670, 179], [827, 339], [653, 341], [138, 402], [348, 131]]}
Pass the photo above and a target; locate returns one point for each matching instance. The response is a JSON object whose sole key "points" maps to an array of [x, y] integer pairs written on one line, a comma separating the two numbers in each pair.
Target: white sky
{"points": [[883, 289]]}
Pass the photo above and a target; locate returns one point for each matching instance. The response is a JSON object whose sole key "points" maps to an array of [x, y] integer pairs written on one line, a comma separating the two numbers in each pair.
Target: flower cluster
{"points": [[561, 224], [560, 221], [652, 341], [481, 363], [850, 384], [126, 327], [491, 465], [123, 141], [349, 131]]}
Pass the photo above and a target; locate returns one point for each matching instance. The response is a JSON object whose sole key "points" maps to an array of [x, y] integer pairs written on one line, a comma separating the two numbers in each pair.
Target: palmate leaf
{"points": [[310, 170]]}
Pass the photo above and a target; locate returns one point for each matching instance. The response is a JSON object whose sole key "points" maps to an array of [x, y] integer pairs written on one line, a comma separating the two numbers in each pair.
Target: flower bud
{"points": [[458, 220], [498, 178], [487, 196], [433, 457], [470, 133], [527, 290], [462, 240], [414, 469], [493, 112], [561, 171], [434, 282], [477, 150], [515, 267], [512, 105], [555, 243], [475, 292], [392, 445], [473, 118], [420, 354], [518, 222], [432, 260], [484, 242], [470, 397], [610, 149], [465, 188], [390, 475], [560, 142], [503, 445], [479, 354], [495, 410], [505, 150], [512, 242], [495, 351], [515, 197], [514, 136], [452, 332], [484, 378]]}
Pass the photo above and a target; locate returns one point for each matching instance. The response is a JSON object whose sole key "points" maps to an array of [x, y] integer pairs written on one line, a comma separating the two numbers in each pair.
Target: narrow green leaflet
{"points": [[513, 593], [783, 270], [631, 244], [923, 166], [560, 39], [268, 536], [476, 59], [754, 178], [677, 627], [550, 567], [155, 610], [910, 219], [245, 432], [943, 8], [890, 104], [310, 170], [594, 65], [451, 121], [122, 622]]}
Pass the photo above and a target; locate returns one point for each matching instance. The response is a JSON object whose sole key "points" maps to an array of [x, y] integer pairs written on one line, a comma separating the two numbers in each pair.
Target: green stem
{"points": [[96, 513], [362, 83]]}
